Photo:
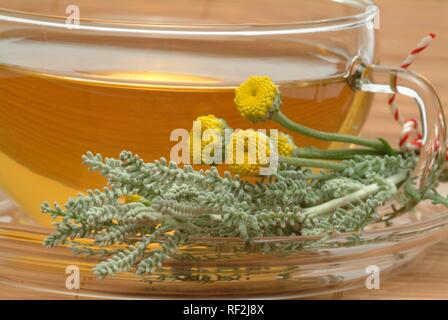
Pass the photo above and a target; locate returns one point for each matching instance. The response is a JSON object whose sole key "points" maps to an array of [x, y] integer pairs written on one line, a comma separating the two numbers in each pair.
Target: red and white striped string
{"points": [[410, 137]]}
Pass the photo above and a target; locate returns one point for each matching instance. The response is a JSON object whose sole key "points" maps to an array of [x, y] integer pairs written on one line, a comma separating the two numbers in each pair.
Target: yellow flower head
{"points": [[285, 144], [215, 127], [257, 98], [212, 122], [250, 152]]}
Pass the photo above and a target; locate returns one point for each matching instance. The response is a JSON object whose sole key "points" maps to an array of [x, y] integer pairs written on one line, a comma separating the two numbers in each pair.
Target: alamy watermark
{"points": [[373, 278], [72, 282], [210, 147], [73, 17]]}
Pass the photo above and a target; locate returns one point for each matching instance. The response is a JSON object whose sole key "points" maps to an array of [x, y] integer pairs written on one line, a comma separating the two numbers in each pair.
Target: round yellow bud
{"points": [[257, 98], [250, 152], [285, 144], [215, 127]]}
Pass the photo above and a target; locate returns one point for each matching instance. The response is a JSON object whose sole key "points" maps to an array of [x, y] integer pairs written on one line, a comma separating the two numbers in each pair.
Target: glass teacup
{"points": [[132, 72]]}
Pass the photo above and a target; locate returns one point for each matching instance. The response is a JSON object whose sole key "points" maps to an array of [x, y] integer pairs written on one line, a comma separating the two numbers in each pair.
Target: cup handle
{"points": [[380, 79]]}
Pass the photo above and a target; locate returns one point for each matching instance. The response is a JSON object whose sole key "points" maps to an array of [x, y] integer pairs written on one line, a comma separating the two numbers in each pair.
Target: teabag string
{"points": [[410, 137]]}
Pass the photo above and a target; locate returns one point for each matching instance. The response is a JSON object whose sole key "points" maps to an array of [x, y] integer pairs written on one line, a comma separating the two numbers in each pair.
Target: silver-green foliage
{"points": [[294, 201]]}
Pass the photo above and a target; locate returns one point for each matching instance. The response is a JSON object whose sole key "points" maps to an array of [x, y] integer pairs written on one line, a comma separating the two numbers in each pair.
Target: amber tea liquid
{"points": [[49, 119]]}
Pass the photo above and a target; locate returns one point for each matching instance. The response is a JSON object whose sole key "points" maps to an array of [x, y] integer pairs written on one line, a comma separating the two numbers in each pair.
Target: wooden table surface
{"points": [[403, 23]]}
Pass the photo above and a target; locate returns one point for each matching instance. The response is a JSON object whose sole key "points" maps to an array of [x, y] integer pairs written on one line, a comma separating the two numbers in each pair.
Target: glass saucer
{"points": [[286, 267]]}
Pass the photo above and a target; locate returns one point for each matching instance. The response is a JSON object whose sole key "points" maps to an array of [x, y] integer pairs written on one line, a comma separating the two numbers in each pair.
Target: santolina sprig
{"points": [[148, 224], [148, 211]]}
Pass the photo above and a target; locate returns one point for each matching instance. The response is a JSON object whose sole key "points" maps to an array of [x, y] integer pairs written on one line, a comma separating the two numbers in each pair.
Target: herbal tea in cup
{"points": [[127, 86]]}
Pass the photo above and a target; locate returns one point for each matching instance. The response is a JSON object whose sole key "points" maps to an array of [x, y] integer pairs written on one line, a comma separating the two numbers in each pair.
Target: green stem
{"points": [[310, 176], [341, 154], [283, 120], [312, 163], [437, 198], [329, 206]]}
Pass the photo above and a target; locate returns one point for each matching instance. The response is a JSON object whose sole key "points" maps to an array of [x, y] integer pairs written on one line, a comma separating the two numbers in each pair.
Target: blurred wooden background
{"points": [[403, 23]]}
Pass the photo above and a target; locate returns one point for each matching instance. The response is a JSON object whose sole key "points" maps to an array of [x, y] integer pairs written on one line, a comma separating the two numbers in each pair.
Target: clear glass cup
{"points": [[133, 71]]}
